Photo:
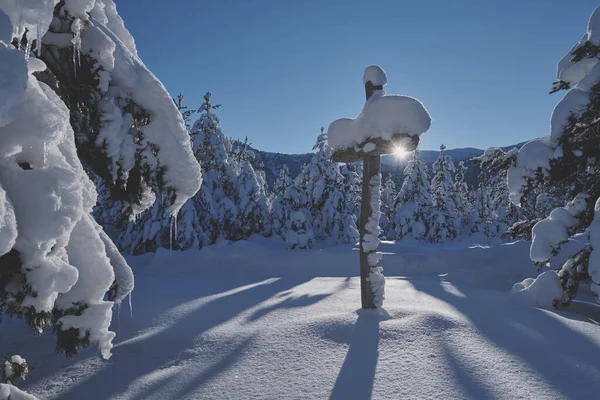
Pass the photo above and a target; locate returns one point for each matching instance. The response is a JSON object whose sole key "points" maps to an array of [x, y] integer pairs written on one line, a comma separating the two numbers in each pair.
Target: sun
{"points": [[400, 152]]}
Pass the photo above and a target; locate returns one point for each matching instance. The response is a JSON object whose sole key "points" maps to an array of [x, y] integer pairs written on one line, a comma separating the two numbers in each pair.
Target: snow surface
{"points": [[252, 320]]}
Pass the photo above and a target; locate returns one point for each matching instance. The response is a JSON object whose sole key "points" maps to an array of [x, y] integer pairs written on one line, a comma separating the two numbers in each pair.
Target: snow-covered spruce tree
{"points": [[282, 181], [253, 205], [569, 157], [493, 214], [413, 203], [298, 232], [127, 128], [250, 193], [444, 220], [388, 196], [464, 204], [503, 214], [388, 200], [481, 213], [59, 269], [352, 188], [211, 211], [327, 199], [186, 112], [280, 210]]}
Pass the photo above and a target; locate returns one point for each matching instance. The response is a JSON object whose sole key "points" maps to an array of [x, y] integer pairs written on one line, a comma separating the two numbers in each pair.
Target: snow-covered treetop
{"points": [[571, 70], [579, 71], [381, 117], [375, 74], [321, 140]]}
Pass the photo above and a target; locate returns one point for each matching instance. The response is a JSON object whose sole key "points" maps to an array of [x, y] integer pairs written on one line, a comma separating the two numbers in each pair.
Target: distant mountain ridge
{"points": [[459, 154], [272, 162]]}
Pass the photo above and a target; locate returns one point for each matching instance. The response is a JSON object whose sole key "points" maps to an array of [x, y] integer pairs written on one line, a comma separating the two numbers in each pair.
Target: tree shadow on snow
{"points": [[290, 302], [296, 302], [357, 375], [173, 345], [563, 357], [223, 365]]}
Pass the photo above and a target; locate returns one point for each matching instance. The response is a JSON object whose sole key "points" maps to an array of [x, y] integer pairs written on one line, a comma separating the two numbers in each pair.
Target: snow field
{"points": [[207, 324]]}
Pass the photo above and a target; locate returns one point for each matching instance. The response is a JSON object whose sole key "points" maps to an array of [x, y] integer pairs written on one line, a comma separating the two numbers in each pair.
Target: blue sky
{"points": [[283, 68]]}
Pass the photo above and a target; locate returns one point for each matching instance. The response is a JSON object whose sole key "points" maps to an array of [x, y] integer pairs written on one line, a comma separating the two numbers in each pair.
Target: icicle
{"points": [[118, 322], [38, 41], [27, 47], [175, 226], [130, 307], [170, 237], [76, 29]]}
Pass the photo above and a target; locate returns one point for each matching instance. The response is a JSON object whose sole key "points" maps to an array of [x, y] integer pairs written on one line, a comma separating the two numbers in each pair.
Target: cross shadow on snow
{"points": [[357, 375], [560, 355], [173, 344]]}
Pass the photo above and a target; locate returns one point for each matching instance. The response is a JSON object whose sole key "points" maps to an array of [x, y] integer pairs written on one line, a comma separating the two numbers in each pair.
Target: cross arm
{"points": [[382, 146]]}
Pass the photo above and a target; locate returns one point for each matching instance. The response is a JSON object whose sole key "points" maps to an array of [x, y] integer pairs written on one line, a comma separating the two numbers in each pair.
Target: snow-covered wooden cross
{"points": [[385, 124]]}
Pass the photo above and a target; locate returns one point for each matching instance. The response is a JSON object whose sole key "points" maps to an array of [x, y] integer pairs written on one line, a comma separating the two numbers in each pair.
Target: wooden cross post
{"points": [[371, 167]]}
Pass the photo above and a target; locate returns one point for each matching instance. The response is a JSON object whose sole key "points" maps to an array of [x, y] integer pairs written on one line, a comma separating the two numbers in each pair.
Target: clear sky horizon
{"points": [[282, 69]]}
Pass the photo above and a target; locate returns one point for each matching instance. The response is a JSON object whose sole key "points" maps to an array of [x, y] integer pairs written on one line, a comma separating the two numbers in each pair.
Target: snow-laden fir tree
{"points": [[388, 200], [252, 204], [196, 225], [569, 157], [388, 195], [280, 209], [464, 202], [217, 196], [82, 97], [127, 128], [186, 112], [444, 220], [481, 213], [282, 181], [491, 209], [299, 234], [352, 187], [502, 214], [327, 199], [294, 207], [413, 203], [250, 193], [232, 203]]}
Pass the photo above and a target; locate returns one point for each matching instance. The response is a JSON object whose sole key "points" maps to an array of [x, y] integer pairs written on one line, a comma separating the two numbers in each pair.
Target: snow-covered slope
{"points": [[251, 320]]}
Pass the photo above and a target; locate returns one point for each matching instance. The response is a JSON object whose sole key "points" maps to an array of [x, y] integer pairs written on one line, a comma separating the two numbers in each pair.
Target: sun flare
{"points": [[400, 152]]}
